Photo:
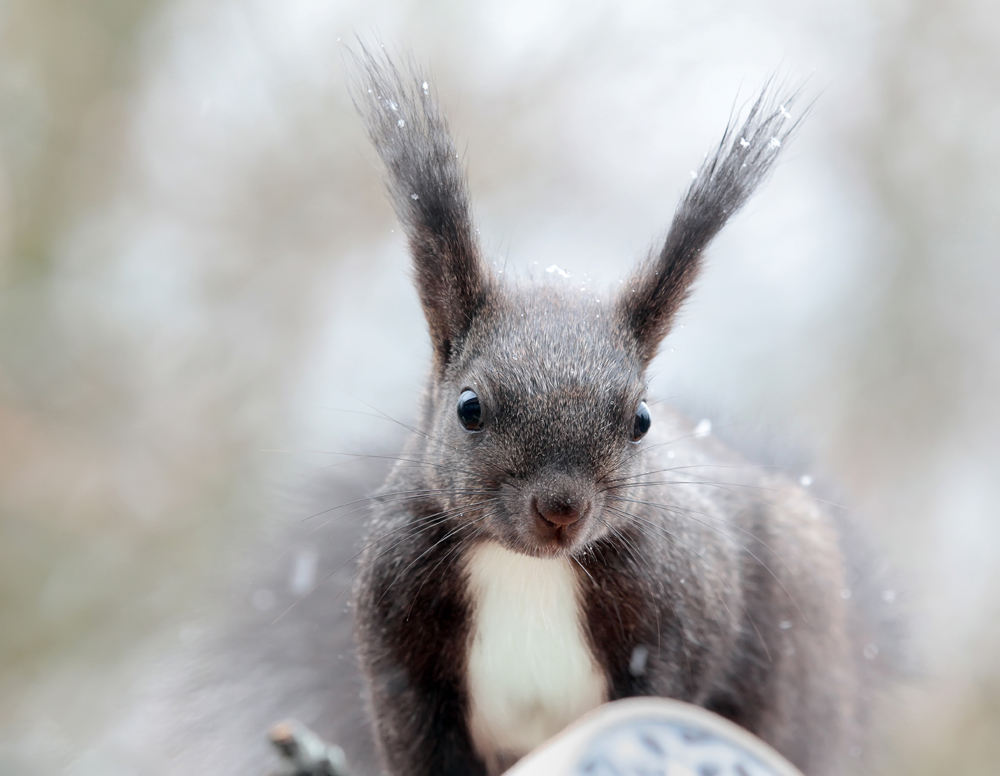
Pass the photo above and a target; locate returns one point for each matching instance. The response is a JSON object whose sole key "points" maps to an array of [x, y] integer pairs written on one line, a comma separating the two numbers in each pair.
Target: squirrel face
{"points": [[539, 404]]}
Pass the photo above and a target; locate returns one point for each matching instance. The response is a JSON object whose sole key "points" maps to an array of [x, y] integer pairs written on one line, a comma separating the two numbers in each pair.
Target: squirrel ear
{"points": [[651, 297], [428, 190]]}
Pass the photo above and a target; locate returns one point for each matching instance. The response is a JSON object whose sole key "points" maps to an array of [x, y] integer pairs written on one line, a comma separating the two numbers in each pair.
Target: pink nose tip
{"points": [[559, 510]]}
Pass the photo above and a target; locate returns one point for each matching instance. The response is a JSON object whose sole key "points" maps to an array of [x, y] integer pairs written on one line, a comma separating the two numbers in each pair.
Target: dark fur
{"points": [[729, 578], [720, 189], [427, 185]]}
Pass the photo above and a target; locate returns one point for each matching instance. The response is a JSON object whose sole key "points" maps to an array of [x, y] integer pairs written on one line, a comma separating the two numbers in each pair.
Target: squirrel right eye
{"points": [[641, 422], [470, 412]]}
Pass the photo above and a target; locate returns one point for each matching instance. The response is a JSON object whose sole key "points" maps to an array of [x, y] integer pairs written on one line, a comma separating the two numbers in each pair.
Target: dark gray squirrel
{"points": [[549, 541]]}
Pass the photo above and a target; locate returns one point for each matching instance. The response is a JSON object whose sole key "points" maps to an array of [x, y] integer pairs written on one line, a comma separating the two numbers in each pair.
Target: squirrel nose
{"points": [[560, 509]]}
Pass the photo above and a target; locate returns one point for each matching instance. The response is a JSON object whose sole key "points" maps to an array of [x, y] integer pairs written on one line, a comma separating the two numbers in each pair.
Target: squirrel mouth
{"points": [[550, 539], [549, 523]]}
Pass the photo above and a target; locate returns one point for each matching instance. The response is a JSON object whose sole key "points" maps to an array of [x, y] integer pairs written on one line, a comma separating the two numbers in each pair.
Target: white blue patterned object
{"points": [[666, 748], [653, 737]]}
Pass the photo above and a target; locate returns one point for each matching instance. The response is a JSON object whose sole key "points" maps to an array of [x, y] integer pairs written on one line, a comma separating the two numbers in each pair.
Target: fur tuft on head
{"points": [[726, 180], [428, 189]]}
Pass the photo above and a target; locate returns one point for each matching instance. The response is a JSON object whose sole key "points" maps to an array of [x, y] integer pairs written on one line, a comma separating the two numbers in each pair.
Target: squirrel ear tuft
{"points": [[428, 188], [746, 154]]}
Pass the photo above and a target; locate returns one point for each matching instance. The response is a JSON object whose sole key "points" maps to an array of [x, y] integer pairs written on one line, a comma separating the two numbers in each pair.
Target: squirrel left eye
{"points": [[470, 412], [641, 423]]}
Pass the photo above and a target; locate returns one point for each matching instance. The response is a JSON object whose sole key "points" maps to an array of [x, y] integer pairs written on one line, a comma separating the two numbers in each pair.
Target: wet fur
{"points": [[729, 578]]}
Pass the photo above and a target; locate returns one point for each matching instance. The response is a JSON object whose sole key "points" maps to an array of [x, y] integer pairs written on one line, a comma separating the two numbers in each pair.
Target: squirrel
{"points": [[549, 539]]}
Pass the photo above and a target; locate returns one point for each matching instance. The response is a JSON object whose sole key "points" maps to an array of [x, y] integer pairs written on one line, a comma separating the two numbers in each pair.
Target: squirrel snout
{"points": [[560, 509]]}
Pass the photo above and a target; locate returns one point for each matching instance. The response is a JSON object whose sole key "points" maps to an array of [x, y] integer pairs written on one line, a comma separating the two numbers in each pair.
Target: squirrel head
{"points": [[536, 404]]}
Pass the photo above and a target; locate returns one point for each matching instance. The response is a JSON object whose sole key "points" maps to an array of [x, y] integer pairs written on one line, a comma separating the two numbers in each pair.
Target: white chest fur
{"points": [[530, 671]]}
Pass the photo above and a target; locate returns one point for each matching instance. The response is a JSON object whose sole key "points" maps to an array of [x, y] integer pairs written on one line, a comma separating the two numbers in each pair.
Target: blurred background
{"points": [[202, 285]]}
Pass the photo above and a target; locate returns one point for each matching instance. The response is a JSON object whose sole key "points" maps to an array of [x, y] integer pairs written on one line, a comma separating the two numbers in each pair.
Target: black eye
{"points": [[641, 423], [470, 414]]}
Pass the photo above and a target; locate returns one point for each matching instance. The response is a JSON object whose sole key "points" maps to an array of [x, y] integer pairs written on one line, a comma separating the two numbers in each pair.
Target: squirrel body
{"points": [[535, 552]]}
